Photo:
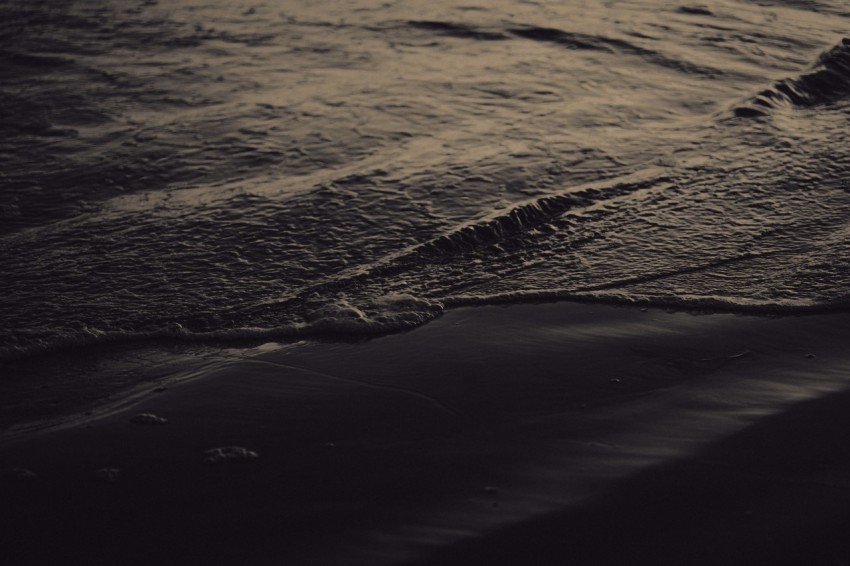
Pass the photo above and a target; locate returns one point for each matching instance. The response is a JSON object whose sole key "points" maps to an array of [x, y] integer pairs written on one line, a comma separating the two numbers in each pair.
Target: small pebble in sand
{"points": [[148, 419], [229, 454], [107, 474], [20, 474]]}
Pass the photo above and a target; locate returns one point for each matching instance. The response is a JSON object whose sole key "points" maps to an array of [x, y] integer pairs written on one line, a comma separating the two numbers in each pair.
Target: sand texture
{"points": [[548, 434]]}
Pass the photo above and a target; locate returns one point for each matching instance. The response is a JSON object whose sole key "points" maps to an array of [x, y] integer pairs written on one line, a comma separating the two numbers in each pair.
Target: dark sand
{"points": [[539, 434]]}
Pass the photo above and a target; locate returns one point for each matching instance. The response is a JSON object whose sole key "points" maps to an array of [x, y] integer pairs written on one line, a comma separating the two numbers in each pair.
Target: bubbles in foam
{"points": [[148, 419], [226, 454], [240, 206]]}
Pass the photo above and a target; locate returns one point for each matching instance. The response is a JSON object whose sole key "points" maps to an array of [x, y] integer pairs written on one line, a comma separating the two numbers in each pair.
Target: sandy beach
{"points": [[549, 433], [357, 283]]}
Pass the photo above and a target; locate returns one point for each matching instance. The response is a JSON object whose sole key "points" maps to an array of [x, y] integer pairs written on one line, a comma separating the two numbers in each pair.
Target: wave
{"points": [[695, 11], [560, 37], [339, 320], [566, 39], [26, 61], [828, 82], [685, 303], [573, 40], [380, 316], [500, 226], [349, 305], [526, 216], [457, 30]]}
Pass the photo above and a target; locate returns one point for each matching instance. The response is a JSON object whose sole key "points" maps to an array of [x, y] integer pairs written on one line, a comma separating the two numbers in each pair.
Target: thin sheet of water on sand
{"points": [[378, 452]]}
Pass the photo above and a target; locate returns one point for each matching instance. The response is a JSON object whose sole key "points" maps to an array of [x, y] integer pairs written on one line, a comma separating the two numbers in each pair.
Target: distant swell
{"points": [[566, 39], [829, 82], [574, 40], [563, 38], [457, 30], [31, 62]]}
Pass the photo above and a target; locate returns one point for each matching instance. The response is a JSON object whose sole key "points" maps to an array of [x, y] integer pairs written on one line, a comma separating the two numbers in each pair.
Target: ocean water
{"points": [[214, 169]]}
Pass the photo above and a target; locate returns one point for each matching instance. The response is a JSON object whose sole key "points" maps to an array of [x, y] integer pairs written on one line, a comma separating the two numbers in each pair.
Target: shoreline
{"points": [[160, 361], [381, 451]]}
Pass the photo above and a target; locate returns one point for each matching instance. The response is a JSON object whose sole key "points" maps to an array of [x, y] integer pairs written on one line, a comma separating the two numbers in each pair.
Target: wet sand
{"points": [[547, 433]]}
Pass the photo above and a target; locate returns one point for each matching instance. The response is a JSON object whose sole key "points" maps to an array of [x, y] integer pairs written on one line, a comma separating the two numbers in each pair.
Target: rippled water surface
{"points": [[227, 169]]}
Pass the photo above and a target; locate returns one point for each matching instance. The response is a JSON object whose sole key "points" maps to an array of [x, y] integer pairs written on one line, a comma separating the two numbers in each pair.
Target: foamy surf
{"points": [[568, 155]]}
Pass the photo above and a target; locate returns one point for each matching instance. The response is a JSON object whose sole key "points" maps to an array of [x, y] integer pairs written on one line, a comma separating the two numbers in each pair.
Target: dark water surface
{"points": [[215, 169]]}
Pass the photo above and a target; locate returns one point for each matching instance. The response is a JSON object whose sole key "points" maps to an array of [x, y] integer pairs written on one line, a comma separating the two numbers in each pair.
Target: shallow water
{"points": [[219, 169]]}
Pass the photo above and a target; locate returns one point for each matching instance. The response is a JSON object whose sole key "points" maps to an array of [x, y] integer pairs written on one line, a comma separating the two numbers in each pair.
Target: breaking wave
{"points": [[828, 82], [249, 174], [384, 315], [524, 217]]}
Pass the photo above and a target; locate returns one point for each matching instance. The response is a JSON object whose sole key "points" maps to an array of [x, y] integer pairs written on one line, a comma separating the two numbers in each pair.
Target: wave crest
{"points": [[828, 82], [526, 216]]}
